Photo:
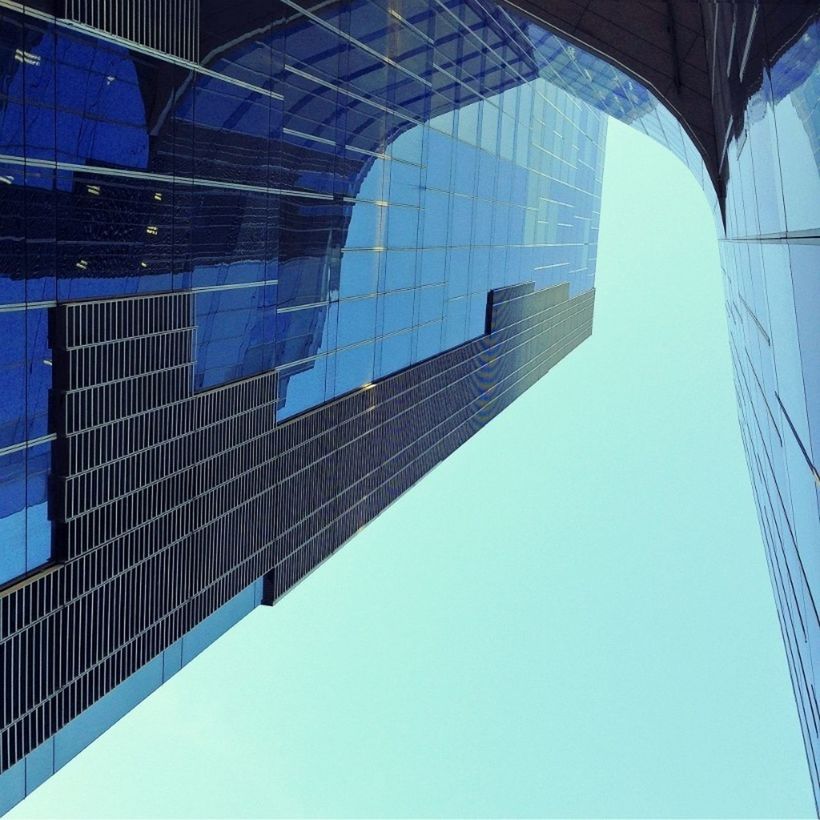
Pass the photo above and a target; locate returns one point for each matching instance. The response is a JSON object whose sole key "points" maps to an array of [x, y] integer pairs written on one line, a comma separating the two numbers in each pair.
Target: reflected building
{"points": [[260, 272]]}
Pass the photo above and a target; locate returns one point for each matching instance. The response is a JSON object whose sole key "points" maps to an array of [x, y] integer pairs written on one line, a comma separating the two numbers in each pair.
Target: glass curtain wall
{"points": [[339, 187]]}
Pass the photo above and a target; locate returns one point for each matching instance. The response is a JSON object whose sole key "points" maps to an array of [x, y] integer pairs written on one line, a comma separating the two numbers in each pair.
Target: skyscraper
{"points": [[259, 275], [743, 80], [260, 271]]}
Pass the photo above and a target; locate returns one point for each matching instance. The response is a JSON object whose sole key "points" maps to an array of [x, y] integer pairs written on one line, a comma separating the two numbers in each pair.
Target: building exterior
{"points": [[742, 80], [259, 272]]}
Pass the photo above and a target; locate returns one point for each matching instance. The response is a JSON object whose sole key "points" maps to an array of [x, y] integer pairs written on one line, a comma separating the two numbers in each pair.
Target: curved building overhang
{"points": [[703, 60]]}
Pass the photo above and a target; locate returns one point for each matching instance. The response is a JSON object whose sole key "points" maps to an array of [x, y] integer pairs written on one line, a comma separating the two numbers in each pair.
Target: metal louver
{"points": [[169, 26]]}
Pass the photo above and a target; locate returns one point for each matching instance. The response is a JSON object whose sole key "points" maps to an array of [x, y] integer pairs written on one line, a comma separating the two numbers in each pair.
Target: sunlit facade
{"points": [[771, 260], [259, 273]]}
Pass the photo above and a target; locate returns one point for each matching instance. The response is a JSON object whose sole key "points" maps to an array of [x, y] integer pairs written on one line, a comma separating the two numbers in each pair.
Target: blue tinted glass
{"points": [[398, 310], [408, 146], [436, 209], [402, 227], [399, 270], [396, 353], [405, 182], [428, 340], [12, 514], [357, 321], [12, 377], [302, 386], [462, 220], [38, 526], [455, 322], [365, 230], [466, 162], [354, 367], [336, 234], [359, 273], [431, 305], [439, 158], [432, 266]]}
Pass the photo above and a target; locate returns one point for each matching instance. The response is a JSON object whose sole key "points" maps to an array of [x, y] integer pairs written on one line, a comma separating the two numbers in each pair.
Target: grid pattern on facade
{"points": [[168, 502], [169, 26]]}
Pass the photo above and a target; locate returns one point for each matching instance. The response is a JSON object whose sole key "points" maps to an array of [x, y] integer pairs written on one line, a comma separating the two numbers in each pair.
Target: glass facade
{"points": [[771, 260], [339, 190], [259, 271], [770, 257]]}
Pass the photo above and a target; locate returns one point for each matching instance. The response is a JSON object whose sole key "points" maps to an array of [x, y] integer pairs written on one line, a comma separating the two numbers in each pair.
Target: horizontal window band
{"points": [[15, 306], [100, 34], [352, 94], [25, 445], [168, 179], [237, 286]]}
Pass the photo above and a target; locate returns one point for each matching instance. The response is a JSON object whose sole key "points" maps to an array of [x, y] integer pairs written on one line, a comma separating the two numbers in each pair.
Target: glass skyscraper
{"points": [[262, 266], [260, 272]]}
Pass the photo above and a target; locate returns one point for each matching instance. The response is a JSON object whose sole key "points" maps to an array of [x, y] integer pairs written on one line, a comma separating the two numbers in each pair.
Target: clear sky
{"points": [[571, 617]]}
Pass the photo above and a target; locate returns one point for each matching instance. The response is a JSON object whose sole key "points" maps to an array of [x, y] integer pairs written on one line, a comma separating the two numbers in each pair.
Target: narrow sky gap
{"points": [[571, 617]]}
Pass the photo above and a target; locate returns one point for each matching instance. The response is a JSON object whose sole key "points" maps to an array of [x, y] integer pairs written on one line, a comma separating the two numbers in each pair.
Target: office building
{"points": [[260, 271], [742, 79]]}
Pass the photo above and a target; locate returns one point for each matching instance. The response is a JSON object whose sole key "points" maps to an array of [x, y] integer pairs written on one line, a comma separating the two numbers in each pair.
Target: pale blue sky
{"points": [[570, 617]]}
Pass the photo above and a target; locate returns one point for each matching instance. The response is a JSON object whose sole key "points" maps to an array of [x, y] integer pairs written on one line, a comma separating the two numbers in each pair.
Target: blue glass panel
{"points": [[303, 386], [357, 321], [39, 373], [12, 515], [360, 272], [436, 208], [487, 167], [365, 230], [408, 146], [439, 160], [431, 304], [400, 270], [805, 264], [489, 127], [455, 322], [466, 163], [428, 341], [395, 353], [38, 526], [398, 310], [467, 129], [298, 333], [234, 338], [354, 367], [373, 181], [458, 272], [402, 227], [462, 220], [13, 366], [405, 182], [476, 315]]}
